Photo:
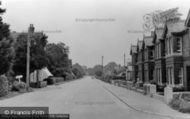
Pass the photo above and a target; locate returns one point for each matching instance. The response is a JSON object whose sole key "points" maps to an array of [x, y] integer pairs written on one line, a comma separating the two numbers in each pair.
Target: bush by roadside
{"points": [[181, 102], [19, 86], [4, 85], [50, 80]]}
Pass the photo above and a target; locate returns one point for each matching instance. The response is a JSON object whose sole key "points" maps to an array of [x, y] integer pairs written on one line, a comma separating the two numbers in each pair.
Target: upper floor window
{"points": [[169, 46], [178, 45], [151, 55], [158, 51], [173, 45]]}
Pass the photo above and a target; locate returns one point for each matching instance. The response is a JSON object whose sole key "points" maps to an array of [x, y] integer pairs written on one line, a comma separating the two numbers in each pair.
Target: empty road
{"points": [[85, 98]]}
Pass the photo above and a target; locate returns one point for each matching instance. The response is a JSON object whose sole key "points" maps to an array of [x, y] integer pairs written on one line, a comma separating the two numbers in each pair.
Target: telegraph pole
{"points": [[124, 60], [102, 65], [30, 32]]}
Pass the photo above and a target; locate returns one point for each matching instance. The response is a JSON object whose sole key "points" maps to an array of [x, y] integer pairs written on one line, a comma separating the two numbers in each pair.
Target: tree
{"points": [[6, 46], [58, 61], [38, 57], [78, 70], [6, 54]]}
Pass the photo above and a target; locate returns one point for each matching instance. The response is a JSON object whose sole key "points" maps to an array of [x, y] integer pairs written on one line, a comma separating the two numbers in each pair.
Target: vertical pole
{"points": [[124, 59], [103, 66], [30, 31]]}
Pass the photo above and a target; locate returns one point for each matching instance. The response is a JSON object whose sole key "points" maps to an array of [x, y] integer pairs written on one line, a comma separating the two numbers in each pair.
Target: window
{"points": [[159, 76], [169, 46], [180, 76], [178, 45], [159, 50], [170, 75], [151, 54]]}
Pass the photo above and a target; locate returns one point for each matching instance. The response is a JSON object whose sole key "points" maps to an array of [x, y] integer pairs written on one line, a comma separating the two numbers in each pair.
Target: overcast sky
{"points": [[88, 41]]}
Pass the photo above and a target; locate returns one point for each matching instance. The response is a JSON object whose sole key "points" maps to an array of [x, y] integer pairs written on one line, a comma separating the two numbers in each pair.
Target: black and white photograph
{"points": [[94, 59]]}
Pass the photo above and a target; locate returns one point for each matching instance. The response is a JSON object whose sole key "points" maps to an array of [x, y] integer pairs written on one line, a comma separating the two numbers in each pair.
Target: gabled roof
{"points": [[140, 45], [159, 31], [187, 21], [133, 49], [177, 26], [148, 41]]}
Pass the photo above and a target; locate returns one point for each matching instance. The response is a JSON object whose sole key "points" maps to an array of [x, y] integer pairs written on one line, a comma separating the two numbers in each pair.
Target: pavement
{"points": [[89, 98]]}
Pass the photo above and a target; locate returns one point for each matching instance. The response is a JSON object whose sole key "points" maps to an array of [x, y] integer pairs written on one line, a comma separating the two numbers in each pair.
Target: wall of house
{"points": [[186, 56]]}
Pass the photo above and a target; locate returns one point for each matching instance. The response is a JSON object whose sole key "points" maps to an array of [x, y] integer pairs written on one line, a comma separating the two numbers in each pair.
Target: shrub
{"points": [[178, 88], [4, 86], [69, 76], [175, 102], [19, 86], [50, 80], [58, 79]]}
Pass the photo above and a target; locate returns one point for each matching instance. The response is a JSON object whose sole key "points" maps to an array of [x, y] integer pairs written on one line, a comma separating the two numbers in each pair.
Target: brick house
{"points": [[159, 51], [133, 53], [148, 58], [185, 73], [140, 61], [174, 54]]}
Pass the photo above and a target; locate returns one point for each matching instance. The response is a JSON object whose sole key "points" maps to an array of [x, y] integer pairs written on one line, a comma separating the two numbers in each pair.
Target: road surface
{"points": [[85, 98]]}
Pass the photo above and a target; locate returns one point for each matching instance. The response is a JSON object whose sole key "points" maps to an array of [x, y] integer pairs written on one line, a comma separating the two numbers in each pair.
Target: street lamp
{"points": [[30, 32]]}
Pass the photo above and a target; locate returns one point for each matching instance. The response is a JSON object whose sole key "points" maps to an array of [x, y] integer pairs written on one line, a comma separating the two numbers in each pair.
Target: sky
{"points": [[91, 28]]}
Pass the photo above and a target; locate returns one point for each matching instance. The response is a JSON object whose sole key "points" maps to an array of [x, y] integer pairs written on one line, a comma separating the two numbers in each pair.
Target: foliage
{"points": [[58, 60], [4, 85], [50, 80], [38, 58], [78, 70], [6, 47], [178, 88], [99, 73], [175, 103], [95, 70], [69, 76], [19, 86]]}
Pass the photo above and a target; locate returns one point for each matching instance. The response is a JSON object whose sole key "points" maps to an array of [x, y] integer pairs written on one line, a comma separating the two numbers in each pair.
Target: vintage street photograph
{"points": [[94, 59]]}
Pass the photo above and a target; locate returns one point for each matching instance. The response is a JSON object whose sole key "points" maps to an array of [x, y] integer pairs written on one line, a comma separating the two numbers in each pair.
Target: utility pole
{"points": [[124, 60], [30, 33], [102, 65]]}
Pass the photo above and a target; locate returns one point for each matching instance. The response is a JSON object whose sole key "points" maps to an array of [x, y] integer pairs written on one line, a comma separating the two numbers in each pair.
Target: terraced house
{"points": [[148, 58], [178, 53], [173, 54], [133, 53], [140, 63], [159, 51]]}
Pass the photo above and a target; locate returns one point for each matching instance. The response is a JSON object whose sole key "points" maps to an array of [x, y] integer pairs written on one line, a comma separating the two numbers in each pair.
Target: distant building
{"points": [[140, 60], [133, 53]]}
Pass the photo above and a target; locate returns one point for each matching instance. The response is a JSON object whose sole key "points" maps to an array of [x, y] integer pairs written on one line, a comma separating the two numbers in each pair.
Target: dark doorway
{"points": [[188, 77]]}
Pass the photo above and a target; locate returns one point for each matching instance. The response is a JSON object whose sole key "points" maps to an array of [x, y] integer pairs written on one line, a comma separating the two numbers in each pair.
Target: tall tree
{"points": [[59, 62], [78, 70], [6, 49], [38, 55]]}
